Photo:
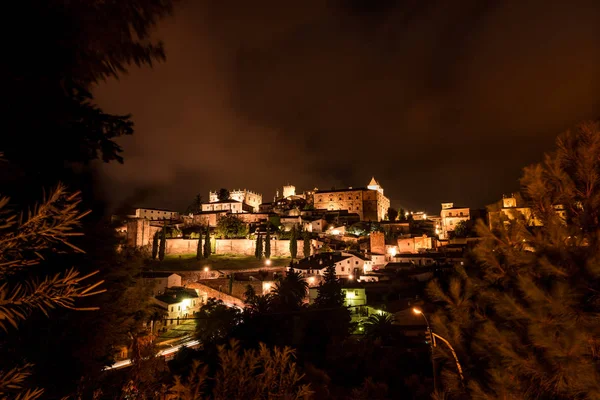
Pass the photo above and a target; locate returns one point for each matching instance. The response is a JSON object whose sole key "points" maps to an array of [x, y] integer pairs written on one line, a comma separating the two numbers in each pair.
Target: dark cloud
{"points": [[441, 101]]}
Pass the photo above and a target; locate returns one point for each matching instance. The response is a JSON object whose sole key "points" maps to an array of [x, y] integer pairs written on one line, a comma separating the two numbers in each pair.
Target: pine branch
{"points": [[59, 291], [11, 382], [52, 223]]}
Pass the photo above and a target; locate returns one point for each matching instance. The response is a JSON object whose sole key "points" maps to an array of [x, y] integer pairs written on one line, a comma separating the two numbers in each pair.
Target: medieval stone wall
{"points": [[279, 248]]}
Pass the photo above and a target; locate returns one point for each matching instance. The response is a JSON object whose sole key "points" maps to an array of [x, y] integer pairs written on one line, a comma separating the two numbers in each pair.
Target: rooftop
{"points": [[157, 274], [177, 295], [223, 201], [320, 261]]}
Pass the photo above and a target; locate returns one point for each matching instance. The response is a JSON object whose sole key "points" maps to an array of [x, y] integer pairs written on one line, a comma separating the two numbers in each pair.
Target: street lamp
{"points": [[268, 262], [433, 336], [205, 269], [350, 277]]}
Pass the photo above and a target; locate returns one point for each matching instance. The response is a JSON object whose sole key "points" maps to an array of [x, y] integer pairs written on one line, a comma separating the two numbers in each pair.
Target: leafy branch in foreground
{"points": [[48, 227]]}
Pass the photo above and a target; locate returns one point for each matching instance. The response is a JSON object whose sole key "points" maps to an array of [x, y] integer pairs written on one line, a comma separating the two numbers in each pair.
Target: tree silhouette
{"points": [[195, 206], [524, 320], [392, 214], [199, 248], [268, 244], [329, 292], [290, 291], [294, 243], [258, 249], [162, 248], [379, 326], [155, 245], [207, 242], [223, 194], [306, 244]]}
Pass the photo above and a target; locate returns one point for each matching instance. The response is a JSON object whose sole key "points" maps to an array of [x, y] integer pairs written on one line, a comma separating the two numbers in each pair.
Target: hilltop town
{"points": [[383, 256]]}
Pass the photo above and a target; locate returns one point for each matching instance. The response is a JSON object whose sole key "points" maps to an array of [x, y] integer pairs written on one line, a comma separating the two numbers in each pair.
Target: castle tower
{"points": [[289, 190], [509, 201], [374, 185]]}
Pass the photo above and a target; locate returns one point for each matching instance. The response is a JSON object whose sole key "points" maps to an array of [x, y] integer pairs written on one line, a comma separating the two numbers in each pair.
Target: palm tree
{"points": [[290, 291], [379, 326]]}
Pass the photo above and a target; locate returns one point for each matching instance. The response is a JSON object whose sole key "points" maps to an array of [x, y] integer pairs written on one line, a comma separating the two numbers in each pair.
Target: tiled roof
{"points": [[358, 189], [320, 261], [151, 274]]}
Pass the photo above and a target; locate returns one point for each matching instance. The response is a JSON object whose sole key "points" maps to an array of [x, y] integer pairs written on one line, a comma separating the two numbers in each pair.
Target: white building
{"points": [[346, 265], [232, 206], [156, 214], [254, 200], [161, 281], [450, 217], [179, 303]]}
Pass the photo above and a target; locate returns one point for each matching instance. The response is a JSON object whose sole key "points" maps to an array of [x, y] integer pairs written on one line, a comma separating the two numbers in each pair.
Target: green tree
{"points": [[306, 244], [258, 248], [216, 321], [294, 243], [155, 246], [379, 326], [524, 320], [268, 244], [402, 215], [223, 194], [207, 242], [249, 374], [230, 226], [199, 249], [392, 214], [23, 244], [162, 248], [195, 206], [461, 229], [329, 292], [290, 291]]}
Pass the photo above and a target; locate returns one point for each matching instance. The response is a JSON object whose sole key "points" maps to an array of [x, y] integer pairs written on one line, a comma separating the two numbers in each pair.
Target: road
{"points": [[168, 352]]}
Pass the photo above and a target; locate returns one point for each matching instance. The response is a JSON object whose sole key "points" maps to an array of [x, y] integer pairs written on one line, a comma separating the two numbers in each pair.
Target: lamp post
{"points": [[432, 336]]}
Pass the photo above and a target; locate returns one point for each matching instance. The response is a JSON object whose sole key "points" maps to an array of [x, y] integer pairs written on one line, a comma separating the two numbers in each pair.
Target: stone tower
{"points": [[289, 190], [377, 243]]}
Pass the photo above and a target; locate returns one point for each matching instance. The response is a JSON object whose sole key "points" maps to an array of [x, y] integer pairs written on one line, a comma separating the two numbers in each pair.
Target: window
{"points": [[356, 197], [179, 308], [347, 262], [172, 308], [194, 303], [340, 198], [356, 262], [342, 268], [356, 293], [461, 214]]}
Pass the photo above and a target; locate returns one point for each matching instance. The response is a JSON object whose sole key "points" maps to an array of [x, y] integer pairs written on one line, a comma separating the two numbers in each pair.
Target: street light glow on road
{"points": [[162, 353]]}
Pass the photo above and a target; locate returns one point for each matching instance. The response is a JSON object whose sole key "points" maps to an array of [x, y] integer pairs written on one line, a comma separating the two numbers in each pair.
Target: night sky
{"points": [[439, 100]]}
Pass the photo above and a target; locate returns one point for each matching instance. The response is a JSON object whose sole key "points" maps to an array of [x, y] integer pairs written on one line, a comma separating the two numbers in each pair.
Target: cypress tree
{"points": [[207, 243], [306, 244], [199, 247], [259, 247], [294, 243], [268, 244], [155, 246], [163, 243]]}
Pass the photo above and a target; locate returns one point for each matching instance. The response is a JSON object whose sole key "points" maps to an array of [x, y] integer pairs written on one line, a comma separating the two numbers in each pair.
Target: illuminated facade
{"points": [[369, 203], [245, 196], [156, 214], [450, 216]]}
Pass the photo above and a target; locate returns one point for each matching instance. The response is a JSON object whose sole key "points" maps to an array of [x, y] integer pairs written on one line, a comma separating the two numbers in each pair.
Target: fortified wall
{"points": [[279, 248]]}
